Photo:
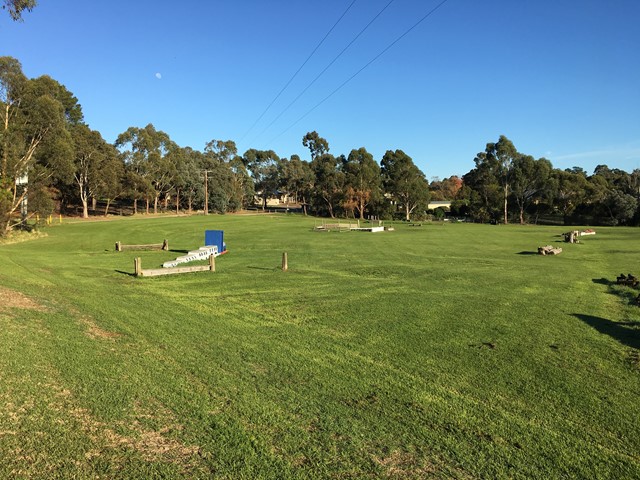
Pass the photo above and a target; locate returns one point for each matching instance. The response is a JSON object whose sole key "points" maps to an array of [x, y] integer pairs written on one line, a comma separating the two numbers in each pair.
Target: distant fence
{"points": [[154, 272], [150, 246]]}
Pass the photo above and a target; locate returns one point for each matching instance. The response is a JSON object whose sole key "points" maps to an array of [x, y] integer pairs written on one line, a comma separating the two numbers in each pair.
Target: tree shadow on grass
{"points": [[627, 333], [626, 292]]}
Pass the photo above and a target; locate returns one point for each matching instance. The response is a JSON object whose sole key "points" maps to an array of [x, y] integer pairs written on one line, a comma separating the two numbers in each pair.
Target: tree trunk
{"points": [[94, 202], [155, 204], [85, 208], [106, 209], [178, 202], [506, 191], [135, 206], [147, 202]]}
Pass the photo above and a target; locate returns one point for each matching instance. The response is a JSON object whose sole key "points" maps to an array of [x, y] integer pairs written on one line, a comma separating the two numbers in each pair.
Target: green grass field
{"points": [[441, 351]]}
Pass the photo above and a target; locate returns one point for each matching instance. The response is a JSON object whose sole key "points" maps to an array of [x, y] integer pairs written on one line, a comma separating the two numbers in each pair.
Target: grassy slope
{"points": [[442, 351]]}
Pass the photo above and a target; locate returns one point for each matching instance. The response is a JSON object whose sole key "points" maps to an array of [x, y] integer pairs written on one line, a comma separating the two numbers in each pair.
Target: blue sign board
{"points": [[215, 237]]}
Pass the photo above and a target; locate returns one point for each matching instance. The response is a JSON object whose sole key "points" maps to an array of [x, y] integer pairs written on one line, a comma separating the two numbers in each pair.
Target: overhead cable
{"points": [[298, 71], [327, 67], [431, 12]]}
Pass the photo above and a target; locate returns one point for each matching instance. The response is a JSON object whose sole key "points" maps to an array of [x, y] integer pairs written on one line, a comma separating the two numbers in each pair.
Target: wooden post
{"points": [[165, 244], [138, 266], [285, 264], [212, 263]]}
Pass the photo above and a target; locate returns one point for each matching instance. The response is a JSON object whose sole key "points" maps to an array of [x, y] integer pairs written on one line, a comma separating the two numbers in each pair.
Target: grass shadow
{"points": [[126, 273], [603, 281], [264, 268], [627, 333], [179, 251], [527, 253]]}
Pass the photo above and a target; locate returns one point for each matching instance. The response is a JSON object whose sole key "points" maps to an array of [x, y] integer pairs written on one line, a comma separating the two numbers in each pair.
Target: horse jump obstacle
{"points": [[154, 272], [549, 250], [151, 246], [348, 227]]}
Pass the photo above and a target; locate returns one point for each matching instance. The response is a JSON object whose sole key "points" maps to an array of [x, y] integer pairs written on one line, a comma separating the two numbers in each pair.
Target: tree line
{"points": [[51, 159]]}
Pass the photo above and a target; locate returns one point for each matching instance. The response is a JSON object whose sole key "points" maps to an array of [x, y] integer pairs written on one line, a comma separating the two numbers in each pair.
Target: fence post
{"points": [[138, 266], [165, 244], [285, 263], [212, 263], [118, 247]]}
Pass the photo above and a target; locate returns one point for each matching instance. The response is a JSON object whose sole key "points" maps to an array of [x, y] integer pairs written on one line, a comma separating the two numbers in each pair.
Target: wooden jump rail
{"points": [[151, 246], [154, 272]]}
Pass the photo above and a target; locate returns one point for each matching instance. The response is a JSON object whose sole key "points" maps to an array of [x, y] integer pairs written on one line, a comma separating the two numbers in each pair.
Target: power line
{"points": [[327, 67], [298, 71], [431, 12]]}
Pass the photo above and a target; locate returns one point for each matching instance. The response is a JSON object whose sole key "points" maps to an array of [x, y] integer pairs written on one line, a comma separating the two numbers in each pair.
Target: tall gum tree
{"points": [[362, 179], [32, 130], [404, 182], [502, 154], [147, 151]]}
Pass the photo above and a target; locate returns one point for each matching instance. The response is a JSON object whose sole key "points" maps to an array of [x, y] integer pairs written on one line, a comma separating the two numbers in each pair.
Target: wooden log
{"points": [[150, 246], [549, 250], [154, 272]]}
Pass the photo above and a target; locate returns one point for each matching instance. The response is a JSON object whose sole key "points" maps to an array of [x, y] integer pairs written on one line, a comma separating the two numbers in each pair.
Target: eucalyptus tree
{"points": [[620, 207], [317, 145], [242, 189], [88, 156], [404, 182], [485, 194], [501, 156], [188, 182], [110, 180], [263, 165], [328, 184], [296, 178], [147, 151], [363, 183], [218, 155], [570, 190], [32, 133], [530, 181], [17, 7]]}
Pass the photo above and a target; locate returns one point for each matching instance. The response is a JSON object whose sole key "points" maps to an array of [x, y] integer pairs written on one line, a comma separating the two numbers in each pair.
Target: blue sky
{"points": [[561, 79]]}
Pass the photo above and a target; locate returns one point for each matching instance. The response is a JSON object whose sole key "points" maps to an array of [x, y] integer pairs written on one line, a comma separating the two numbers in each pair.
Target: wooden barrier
{"points": [[151, 246], [154, 272]]}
